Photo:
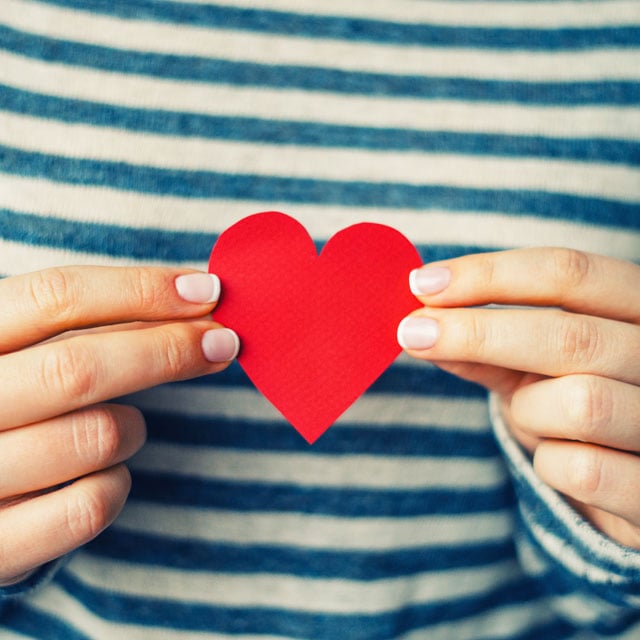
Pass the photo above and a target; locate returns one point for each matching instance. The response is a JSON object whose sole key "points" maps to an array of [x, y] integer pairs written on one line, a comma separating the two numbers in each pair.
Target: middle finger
{"points": [[53, 379], [543, 341]]}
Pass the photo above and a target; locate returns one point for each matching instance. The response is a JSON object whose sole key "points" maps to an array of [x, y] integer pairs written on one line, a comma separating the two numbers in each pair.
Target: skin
{"points": [[567, 370], [62, 477]]}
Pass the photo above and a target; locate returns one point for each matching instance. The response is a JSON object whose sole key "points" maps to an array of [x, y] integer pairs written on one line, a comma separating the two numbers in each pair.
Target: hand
{"points": [[567, 371], [61, 474]]}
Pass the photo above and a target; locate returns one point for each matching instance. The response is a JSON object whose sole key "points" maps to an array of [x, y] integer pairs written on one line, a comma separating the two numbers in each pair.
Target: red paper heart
{"points": [[316, 330]]}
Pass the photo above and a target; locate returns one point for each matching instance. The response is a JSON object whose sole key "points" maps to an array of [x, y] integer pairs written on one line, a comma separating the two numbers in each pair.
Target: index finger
{"points": [[552, 277], [42, 304]]}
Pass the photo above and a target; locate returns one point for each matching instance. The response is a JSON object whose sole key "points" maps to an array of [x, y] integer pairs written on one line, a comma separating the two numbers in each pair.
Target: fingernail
{"points": [[198, 287], [418, 333], [220, 345], [429, 280]]}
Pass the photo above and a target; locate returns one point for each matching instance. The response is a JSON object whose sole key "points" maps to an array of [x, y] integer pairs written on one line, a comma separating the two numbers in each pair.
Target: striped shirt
{"points": [[135, 131]]}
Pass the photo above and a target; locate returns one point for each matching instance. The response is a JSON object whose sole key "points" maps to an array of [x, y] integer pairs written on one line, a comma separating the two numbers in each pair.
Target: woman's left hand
{"points": [[564, 357]]}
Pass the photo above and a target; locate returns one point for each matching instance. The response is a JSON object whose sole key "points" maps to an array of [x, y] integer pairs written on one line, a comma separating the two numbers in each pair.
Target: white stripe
{"points": [[159, 37], [370, 410], [362, 111], [321, 595], [312, 531], [172, 152], [585, 610], [541, 14], [358, 471]]}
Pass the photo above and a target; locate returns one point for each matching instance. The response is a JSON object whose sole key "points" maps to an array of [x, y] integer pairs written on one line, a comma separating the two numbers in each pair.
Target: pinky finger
{"points": [[40, 529], [599, 478]]}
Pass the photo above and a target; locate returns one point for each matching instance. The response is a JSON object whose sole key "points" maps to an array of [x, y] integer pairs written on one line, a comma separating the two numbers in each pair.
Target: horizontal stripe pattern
{"points": [[136, 90], [309, 531], [136, 132], [521, 625], [316, 134], [209, 184], [234, 44], [454, 171], [200, 69], [344, 28], [544, 14]]}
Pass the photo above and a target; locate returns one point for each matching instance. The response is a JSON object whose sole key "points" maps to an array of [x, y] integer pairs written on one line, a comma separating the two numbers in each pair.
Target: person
{"points": [[502, 139]]}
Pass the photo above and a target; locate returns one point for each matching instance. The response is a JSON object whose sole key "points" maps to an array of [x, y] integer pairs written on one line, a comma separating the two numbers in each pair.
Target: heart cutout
{"points": [[316, 330]]}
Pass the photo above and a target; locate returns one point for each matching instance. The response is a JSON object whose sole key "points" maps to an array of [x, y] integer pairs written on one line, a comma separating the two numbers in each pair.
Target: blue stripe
{"points": [[141, 244], [105, 239], [392, 440], [199, 69], [295, 624], [420, 378], [171, 489], [316, 134], [35, 624], [347, 565], [363, 29], [264, 189]]}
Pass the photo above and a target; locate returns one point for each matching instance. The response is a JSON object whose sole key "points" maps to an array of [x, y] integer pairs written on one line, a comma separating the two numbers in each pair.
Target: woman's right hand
{"points": [[62, 480]]}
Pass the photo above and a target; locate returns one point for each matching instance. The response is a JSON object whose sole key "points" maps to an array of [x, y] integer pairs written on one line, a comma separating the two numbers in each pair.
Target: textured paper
{"points": [[316, 330]]}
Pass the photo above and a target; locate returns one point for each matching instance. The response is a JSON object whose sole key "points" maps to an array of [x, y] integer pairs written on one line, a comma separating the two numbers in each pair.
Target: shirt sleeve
{"points": [[30, 583], [592, 581]]}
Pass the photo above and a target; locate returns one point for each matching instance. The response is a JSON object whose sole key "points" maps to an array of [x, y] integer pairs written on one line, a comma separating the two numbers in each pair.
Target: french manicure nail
{"points": [[418, 333], [220, 345], [202, 288], [428, 280]]}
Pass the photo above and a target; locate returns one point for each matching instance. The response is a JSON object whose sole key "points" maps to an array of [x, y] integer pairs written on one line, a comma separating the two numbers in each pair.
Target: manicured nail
{"points": [[220, 345], [418, 333], [429, 280], [198, 287]]}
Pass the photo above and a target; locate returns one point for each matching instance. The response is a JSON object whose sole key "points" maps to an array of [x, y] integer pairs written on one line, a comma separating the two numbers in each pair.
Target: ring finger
{"points": [[580, 407], [46, 454]]}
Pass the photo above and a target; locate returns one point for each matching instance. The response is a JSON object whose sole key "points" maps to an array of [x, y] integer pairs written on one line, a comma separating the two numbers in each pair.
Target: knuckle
{"points": [[580, 339], [88, 513], [571, 268], [486, 271], [145, 287], [174, 352], [96, 436], [475, 335], [51, 292], [92, 507], [70, 370], [588, 407], [584, 473]]}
